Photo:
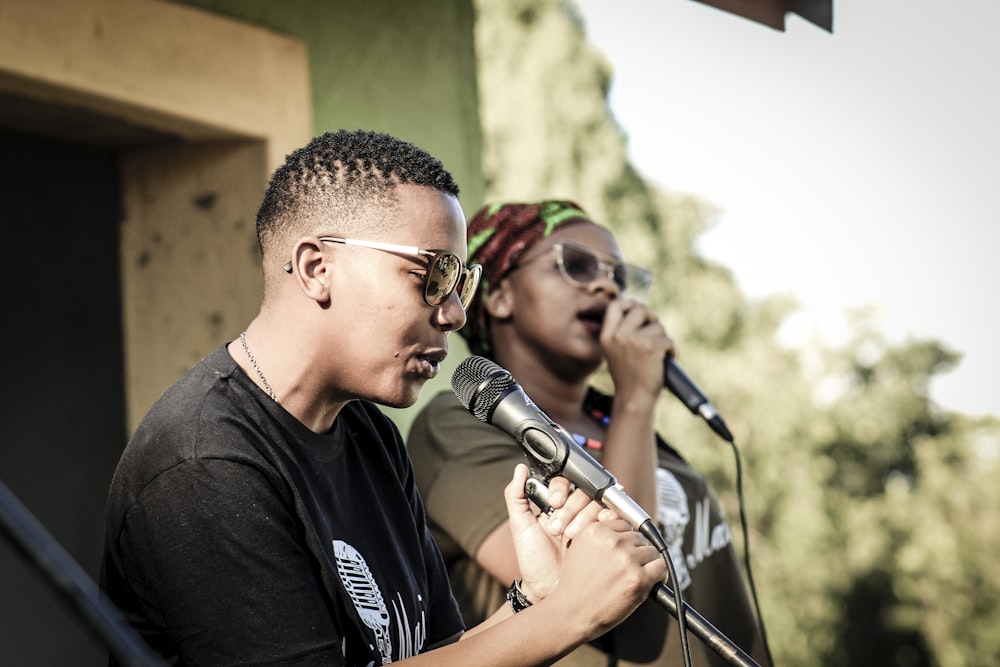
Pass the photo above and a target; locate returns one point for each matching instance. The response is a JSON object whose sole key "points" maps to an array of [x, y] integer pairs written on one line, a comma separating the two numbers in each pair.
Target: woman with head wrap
{"points": [[557, 302]]}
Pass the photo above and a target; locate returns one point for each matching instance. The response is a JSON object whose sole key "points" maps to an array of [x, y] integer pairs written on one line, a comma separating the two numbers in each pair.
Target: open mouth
{"points": [[593, 317]]}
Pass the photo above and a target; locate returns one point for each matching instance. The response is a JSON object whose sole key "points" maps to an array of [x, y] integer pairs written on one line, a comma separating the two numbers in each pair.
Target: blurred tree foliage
{"points": [[873, 515]]}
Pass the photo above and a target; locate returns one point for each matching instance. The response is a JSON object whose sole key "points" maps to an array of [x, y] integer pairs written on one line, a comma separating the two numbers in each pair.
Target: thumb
{"points": [[518, 507]]}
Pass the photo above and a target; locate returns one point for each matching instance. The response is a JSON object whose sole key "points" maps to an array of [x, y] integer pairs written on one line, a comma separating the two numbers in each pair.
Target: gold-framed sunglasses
{"points": [[445, 271], [581, 266]]}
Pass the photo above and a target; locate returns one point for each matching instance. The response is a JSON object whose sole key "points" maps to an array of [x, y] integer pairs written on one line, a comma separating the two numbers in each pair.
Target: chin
{"points": [[407, 399], [586, 352], [399, 404]]}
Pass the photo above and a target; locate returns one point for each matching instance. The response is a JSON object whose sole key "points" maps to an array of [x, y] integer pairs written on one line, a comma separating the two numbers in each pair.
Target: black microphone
{"points": [[677, 381], [491, 394]]}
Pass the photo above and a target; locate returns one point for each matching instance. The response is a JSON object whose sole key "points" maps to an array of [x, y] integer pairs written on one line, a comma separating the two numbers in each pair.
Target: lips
{"points": [[434, 356], [430, 362]]}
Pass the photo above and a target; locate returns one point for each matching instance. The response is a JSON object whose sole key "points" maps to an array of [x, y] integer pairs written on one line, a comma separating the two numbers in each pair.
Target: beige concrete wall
{"points": [[161, 65], [229, 98], [190, 262]]}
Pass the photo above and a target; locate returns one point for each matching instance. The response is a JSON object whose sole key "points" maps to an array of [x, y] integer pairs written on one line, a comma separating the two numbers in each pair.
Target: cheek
{"points": [[548, 294], [371, 300], [382, 329]]}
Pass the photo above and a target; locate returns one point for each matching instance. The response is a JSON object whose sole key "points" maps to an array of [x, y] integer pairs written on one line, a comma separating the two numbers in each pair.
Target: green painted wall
{"points": [[406, 68]]}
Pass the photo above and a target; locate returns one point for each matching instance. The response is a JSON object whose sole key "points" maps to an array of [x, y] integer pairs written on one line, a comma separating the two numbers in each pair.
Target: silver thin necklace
{"points": [[256, 367]]}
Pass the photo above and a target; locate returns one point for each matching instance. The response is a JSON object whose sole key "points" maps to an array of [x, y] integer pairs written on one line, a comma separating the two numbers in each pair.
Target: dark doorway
{"points": [[63, 377]]}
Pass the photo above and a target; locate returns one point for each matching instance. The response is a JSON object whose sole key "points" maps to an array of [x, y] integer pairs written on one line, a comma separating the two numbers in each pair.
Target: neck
{"points": [[261, 379], [290, 380]]}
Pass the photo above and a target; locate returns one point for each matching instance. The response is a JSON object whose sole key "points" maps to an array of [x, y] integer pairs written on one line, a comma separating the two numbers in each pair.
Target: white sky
{"points": [[852, 168]]}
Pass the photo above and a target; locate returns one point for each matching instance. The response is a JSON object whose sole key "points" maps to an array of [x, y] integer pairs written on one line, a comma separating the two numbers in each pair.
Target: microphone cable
{"points": [[678, 382], [650, 532], [746, 550]]}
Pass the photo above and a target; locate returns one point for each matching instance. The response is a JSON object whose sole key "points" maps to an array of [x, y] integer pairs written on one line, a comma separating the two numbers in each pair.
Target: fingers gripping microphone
{"points": [[491, 394], [685, 389]]}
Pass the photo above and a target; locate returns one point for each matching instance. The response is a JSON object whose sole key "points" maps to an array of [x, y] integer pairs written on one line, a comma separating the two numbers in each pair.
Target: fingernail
{"points": [[555, 526]]}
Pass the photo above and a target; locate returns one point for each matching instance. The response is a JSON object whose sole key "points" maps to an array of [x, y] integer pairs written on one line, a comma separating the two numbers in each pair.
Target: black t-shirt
{"points": [[235, 535]]}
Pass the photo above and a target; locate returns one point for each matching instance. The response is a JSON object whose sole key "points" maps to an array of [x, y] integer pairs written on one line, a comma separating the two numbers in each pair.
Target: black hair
{"points": [[336, 175]]}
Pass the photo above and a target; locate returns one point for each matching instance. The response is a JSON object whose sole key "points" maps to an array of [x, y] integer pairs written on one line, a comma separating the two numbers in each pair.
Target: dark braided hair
{"points": [[337, 175], [498, 237]]}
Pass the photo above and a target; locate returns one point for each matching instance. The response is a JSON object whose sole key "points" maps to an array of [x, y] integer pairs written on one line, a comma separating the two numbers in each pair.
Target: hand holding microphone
{"points": [[603, 559], [492, 395], [631, 324], [632, 339]]}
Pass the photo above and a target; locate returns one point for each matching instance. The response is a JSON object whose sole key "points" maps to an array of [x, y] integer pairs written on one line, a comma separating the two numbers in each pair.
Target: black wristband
{"points": [[516, 598]]}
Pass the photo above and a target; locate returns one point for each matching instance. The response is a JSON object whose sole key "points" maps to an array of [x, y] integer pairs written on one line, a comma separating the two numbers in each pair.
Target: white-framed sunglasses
{"points": [[445, 271], [581, 266]]}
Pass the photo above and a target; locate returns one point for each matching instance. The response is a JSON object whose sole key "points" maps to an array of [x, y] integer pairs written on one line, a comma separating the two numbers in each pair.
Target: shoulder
{"points": [[209, 414], [193, 394]]}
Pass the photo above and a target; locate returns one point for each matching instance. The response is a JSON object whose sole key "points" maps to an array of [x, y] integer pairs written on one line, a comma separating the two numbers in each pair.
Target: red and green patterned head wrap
{"points": [[498, 236]]}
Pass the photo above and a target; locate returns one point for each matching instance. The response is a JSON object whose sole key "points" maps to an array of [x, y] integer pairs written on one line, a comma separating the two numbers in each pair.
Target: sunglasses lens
{"points": [[445, 275], [622, 276], [579, 265], [441, 278], [468, 284], [633, 280], [638, 282]]}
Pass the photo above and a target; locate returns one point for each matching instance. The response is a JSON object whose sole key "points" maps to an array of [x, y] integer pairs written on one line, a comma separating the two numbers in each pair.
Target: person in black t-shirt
{"points": [[265, 511]]}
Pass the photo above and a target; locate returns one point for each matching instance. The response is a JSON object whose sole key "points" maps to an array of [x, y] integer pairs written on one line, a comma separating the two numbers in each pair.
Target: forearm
{"points": [[630, 450], [541, 634], [500, 615]]}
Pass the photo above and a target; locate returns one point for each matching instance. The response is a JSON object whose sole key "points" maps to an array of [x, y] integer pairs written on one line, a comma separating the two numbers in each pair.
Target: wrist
{"points": [[635, 402], [516, 597]]}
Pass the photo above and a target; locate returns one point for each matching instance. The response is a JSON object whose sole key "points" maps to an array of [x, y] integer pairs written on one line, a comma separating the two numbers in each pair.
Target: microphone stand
{"points": [[703, 629], [41, 550], [669, 599]]}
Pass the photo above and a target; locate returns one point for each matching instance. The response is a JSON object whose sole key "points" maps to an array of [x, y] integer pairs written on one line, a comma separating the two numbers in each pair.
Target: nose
{"points": [[605, 281], [450, 314]]}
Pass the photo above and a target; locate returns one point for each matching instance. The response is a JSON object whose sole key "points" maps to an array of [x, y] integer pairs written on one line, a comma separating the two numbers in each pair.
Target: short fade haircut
{"points": [[327, 183]]}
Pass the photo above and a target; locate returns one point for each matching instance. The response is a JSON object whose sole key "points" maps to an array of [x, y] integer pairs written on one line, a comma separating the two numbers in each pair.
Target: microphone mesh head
{"points": [[479, 383]]}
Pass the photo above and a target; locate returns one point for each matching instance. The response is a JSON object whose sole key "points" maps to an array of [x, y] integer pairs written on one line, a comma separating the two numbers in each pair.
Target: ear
{"points": [[500, 302], [310, 269]]}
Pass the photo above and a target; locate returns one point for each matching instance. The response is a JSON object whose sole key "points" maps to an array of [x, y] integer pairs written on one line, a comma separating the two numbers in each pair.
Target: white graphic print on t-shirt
{"points": [[367, 598], [674, 515]]}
